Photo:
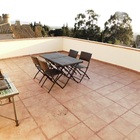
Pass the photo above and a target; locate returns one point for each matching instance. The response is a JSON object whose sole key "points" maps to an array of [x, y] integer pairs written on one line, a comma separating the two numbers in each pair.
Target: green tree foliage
{"points": [[43, 32], [117, 30], [137, 42], [46, 28], [86, 27], [66, 30], [56, 32]]}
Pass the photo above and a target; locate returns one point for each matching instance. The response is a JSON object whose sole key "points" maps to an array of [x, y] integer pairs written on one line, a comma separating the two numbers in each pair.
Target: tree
{"points": [[137, 42], [46, 28], [43, 32], [117, 30], [66, 31], [56, 32], [86, 27]]}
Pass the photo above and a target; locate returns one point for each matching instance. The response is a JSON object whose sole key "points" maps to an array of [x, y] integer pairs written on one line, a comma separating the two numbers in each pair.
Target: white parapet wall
{"points": [[118, 55], [21, 47], [114, 54]]}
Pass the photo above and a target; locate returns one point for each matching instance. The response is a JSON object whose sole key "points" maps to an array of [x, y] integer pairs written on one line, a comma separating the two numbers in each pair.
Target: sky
{"points": [[62, 12]]}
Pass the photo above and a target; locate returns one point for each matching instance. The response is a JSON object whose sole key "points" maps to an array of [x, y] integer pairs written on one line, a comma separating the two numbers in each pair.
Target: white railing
{"points": [[119, 55]]}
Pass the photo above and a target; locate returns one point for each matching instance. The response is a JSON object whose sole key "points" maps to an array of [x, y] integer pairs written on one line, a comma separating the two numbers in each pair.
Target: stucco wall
{"points": [[114, 54], [118, 55], [20, 47]]}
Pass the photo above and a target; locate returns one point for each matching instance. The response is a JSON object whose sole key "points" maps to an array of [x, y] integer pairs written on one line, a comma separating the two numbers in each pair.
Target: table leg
{"points": [[70, 73], [16, 120]]}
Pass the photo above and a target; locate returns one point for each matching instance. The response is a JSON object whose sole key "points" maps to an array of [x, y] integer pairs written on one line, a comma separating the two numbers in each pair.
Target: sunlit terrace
{"points": [[104, 107]]}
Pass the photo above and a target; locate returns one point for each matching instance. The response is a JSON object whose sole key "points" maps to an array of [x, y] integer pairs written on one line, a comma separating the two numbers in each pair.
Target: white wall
{"points": [[118, 55], [114, 54], [20, 47]]}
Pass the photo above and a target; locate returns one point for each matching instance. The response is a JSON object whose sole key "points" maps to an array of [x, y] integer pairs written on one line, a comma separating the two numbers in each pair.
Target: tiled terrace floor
{"points": [[106, 107]]}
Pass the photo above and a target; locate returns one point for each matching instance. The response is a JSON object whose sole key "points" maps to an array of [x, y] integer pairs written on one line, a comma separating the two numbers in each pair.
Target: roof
{"points": [[106, 106]]}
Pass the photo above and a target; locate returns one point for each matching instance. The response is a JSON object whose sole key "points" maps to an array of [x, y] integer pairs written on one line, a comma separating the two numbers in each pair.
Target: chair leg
{"points": [[84, 74], [41, 79], [79, 71], [87, 76], [55, 82], [44, 82], [36, 74], [51, 87]]}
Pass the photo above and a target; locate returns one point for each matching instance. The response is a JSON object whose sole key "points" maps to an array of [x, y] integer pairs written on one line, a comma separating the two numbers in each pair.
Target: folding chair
{"points": [[36, 63], [50, 73], [82, 68], [73, 53]]}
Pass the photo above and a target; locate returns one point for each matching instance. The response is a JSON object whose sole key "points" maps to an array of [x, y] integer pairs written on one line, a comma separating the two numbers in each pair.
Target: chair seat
{"points": [[52, 72], [81, 66], [37, 65]]}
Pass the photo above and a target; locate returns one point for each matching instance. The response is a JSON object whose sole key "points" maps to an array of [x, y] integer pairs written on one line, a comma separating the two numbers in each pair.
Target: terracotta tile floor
{"points": [[106, 107]]}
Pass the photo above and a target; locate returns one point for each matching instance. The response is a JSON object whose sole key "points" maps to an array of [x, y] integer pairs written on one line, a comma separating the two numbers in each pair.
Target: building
{"points": [[5, 27]]}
